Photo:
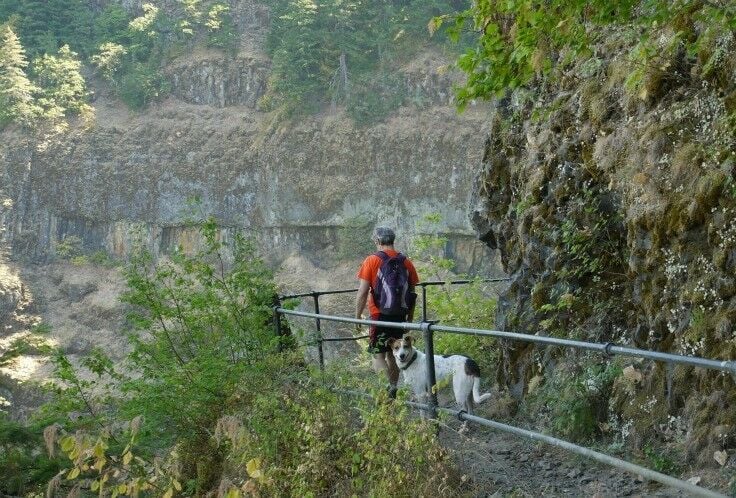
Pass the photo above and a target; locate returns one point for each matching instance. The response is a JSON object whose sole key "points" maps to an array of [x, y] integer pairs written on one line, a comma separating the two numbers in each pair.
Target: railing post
{"points": [[431, 375], [320, 350], [424, 302]]}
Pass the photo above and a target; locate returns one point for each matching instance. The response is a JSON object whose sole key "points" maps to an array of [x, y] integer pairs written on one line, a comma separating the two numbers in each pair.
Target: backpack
{"points": [[390, 293]]}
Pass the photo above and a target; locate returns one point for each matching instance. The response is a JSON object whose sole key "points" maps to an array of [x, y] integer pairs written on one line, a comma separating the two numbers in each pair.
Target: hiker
{"points": [[390, 277]]}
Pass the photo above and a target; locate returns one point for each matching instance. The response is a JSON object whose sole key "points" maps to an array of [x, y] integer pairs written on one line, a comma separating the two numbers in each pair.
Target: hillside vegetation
{"points": [[322, 53], [608, 187]]}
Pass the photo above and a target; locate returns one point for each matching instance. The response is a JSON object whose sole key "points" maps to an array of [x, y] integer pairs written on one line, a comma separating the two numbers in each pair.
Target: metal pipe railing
{"points": [[646, 473], [420, 284], [609, 349]]}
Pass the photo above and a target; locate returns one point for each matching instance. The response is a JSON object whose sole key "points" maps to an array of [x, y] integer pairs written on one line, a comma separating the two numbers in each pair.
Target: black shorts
{"points": [[379, 336]]}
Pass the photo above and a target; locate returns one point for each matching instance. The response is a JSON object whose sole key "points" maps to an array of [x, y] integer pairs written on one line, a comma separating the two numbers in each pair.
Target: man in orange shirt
{"points": [[387, 280]]}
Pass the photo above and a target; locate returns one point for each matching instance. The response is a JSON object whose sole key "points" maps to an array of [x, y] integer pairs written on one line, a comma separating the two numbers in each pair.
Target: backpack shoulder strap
{"points": [[382, 255]]}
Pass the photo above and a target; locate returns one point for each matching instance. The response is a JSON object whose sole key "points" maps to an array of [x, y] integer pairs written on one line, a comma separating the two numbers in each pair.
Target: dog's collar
{"points": [[413, 357]]}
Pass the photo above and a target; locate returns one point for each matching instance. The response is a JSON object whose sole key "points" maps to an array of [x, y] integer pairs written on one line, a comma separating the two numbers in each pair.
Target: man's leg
{"points": [[392, 369], [379, 363], [386, 362]]}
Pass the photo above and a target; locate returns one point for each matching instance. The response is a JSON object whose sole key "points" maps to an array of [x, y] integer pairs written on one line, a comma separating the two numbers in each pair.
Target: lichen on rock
{"points": [[613, 213]]}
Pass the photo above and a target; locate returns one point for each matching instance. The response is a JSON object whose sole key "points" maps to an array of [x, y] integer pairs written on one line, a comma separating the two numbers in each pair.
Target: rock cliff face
{"points": [[292, 187], [613, 211], [296, 187]]}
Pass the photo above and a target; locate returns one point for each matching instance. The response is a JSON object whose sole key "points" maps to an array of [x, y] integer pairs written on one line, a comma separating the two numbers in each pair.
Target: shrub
{"points": [[571, 403], [69, 247], [141, 84], [22, 467]]}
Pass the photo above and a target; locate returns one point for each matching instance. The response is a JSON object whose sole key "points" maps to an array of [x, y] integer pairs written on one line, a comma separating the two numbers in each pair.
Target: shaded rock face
{"points": [[11, 294], [614, 215], [220, 82], [293, 189]]}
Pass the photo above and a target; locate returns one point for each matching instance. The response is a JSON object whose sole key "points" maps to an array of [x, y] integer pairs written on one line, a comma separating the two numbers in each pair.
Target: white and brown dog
{"points": [[465, 373]]}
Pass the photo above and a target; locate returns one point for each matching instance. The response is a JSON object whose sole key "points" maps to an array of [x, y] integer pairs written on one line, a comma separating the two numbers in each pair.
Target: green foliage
{"points": [[343, 53], [23, 468], [46, 25], [428, 249], [573, 403], [470, 305], [62, 87], [141, 84], [221, 31], [16, 90], [109, 59], [519, 40], [212, 402], [197, 330], [661, 462], [102, 258], [58, 89], [69, 247], [304, 440], [592, 238]]}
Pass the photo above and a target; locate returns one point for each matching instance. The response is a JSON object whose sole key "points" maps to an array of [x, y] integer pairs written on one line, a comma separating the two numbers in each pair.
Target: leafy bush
{"points": [[23, 467], [470, 305], [142, 84], [518, 41], [69, 247], [572, 403], [212, 403]]}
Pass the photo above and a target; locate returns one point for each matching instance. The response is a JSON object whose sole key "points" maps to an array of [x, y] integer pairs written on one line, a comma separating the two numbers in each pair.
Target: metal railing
{"points": [[428, 328]]}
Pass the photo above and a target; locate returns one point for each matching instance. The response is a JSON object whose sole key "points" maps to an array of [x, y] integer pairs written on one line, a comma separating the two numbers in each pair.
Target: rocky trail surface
{"points": [[500, 465]]}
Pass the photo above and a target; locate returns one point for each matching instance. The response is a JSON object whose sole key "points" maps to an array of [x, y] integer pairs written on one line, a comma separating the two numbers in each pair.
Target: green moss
{"points": [[686, 159], [540, 295]]}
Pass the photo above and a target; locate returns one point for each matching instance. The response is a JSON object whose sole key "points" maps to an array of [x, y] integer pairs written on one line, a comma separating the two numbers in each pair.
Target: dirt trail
{"points": [[500, 464]]}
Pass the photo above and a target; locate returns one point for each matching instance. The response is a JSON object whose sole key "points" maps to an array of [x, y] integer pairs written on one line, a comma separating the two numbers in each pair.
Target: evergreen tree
{"points": [[63, 90], [16, 90]]}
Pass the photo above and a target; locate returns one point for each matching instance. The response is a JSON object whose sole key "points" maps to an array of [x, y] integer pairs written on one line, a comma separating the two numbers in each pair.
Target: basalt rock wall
{"points": [[612, 206]]}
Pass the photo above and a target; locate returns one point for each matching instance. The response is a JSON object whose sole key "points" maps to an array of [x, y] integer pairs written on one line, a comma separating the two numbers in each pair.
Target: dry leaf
{"points": [[721, 457], [534, 383]]}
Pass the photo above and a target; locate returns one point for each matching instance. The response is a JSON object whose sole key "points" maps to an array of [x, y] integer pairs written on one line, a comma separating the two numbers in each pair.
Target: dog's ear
{"points": [[409, 339], [391, 342]]}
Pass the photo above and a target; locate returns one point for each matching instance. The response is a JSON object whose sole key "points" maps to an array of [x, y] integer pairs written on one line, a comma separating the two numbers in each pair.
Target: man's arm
{"points": [[362, 297]]}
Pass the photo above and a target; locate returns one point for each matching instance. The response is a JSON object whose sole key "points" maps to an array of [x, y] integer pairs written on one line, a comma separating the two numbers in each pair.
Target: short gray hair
{"points": [[384, 236]]}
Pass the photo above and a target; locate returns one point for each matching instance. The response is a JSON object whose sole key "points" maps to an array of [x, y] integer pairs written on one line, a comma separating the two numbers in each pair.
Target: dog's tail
{"points": [[473, 370], [478, 398]]}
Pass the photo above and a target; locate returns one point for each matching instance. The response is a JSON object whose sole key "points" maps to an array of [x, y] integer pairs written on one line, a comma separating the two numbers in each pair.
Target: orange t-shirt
{"points": [[369, 272]]}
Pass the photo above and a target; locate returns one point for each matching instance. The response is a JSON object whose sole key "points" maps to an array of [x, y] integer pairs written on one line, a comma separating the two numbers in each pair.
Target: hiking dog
{"points": [[465, 373]]}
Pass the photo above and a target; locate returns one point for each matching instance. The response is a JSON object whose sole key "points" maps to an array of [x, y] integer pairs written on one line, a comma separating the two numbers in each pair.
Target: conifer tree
{"points": [[16, 90], [63, 90]]}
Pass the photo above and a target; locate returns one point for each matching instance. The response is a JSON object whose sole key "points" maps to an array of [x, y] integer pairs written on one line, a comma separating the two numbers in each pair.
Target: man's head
{"points": [[383, 236]]}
